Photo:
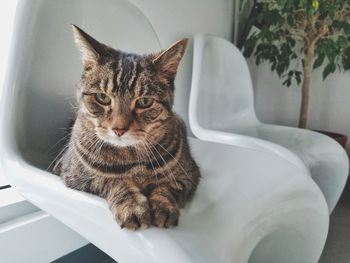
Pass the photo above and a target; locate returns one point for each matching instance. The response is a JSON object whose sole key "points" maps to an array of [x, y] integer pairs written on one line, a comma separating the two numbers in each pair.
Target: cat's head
{"points": [[126, 97]]}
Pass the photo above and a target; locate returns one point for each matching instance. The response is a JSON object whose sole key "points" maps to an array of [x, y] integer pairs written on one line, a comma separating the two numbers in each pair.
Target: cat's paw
{"points": [[133, 214], [164, 214]]}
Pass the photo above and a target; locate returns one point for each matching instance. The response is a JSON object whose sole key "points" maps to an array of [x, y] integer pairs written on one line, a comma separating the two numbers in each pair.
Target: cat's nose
{"points": [[119, 132]]}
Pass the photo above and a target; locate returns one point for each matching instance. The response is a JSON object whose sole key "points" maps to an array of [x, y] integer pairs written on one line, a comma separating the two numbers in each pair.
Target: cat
{"points": [[127, 145]]}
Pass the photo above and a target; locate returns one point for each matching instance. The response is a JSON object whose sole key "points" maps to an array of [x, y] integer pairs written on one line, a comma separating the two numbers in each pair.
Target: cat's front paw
{"points": [[133, 214], [164, 214]]}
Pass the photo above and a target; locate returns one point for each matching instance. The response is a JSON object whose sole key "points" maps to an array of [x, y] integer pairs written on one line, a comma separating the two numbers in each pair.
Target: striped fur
{"points": [[147, 180]]}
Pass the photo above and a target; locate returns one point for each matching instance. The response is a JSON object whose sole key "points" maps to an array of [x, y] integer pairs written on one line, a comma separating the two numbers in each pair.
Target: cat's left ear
{"points": [[90, 48], [168, 60]]}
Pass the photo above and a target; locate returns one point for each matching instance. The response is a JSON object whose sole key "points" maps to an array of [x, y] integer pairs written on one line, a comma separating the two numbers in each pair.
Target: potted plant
{"points": [[298, 36]]}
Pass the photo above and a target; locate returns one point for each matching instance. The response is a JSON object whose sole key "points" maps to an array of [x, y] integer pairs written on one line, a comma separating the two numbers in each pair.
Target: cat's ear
{"points": [[168, 60], [90, 48]]}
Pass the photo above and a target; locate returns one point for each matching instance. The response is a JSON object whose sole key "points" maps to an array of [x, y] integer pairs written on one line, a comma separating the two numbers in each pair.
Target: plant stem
{"points": [[305, 96]]}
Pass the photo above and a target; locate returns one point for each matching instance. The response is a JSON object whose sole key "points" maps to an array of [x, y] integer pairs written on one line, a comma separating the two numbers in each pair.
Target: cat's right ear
{"points": [[90, 48]]}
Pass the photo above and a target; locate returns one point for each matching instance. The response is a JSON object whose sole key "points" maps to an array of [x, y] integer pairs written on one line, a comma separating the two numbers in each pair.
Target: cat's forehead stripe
{"points": [[119, 75], [115, 70], [137, 73], [130, 65], [133, 76], [102, 84], [110, 83], [143, 90]]}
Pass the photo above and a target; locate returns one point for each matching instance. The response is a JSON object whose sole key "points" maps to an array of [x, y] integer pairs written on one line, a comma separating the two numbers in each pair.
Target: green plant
{"points": [[298, 36]]}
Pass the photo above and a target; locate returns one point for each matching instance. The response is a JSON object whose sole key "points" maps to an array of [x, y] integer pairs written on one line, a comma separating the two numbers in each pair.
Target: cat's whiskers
{"points": [[93, 147], [91, 139], [165, 163], [75, 107], [150, 160], [60, 140], [57, 156], [167, 166], [98, 148], [93, 144], [178, 163]]}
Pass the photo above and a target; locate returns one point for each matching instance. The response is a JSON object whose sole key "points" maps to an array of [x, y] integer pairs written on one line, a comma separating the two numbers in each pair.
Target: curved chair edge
{"points": [[327, 160], [218, 136]]}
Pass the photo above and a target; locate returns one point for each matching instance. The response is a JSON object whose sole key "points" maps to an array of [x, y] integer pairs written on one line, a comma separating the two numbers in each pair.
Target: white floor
{"points": [[337, 248]]}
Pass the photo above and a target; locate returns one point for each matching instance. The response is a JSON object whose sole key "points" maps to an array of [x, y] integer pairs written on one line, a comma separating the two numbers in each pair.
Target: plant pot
{"points": [[340, 138]]}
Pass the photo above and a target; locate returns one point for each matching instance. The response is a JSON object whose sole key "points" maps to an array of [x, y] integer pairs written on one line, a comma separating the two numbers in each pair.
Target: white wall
{"points": [[329, 105]]}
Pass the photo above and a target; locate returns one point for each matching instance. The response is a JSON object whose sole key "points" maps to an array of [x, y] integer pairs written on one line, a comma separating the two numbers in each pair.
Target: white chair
{"points": [[222, 105], [248, 201]]}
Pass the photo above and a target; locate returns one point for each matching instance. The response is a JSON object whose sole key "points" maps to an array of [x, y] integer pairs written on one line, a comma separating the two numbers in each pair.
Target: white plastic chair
{"points": [[222, 105], [248, 201]]}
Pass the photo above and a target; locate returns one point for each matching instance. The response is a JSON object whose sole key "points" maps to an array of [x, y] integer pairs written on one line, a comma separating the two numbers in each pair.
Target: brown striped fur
{"points": [[147, 174]]}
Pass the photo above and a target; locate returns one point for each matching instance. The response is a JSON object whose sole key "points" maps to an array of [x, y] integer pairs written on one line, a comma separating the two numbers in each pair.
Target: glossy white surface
{"points": [[10, 196], [251, 205], [233, 210], [36, 238], [222, 80]]}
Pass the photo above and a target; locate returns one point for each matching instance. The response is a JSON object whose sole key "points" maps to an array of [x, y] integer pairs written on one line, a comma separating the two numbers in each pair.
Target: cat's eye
{"points": [[102, 98], [144, 103]]}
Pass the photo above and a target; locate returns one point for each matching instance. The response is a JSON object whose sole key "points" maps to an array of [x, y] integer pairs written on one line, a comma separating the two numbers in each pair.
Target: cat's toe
{"points": [[133, 216], [134, 222], [164, 215]]}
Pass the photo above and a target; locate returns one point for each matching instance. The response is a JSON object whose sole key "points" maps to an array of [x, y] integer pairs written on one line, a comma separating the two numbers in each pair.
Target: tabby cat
{"points": [[127, 145]]}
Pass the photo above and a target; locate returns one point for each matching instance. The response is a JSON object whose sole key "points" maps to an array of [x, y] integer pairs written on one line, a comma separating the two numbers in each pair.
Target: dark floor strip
{"points": [[88, 253], [5, 187]]}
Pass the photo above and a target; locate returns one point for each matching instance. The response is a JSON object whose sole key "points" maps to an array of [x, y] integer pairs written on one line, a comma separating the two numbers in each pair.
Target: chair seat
{"points": [[326, 159], [245, 198]]}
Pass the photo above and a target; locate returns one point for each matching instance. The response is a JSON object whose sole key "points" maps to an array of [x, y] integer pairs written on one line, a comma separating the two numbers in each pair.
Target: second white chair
{"points": [[222, 109]]}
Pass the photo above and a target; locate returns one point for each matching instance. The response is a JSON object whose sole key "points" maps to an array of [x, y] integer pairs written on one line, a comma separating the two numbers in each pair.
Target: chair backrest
{"points": [[45, 65], [221, 93]]}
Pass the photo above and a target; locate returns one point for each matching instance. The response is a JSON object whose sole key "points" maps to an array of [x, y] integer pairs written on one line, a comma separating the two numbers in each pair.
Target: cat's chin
{"points": [[124, 141]]}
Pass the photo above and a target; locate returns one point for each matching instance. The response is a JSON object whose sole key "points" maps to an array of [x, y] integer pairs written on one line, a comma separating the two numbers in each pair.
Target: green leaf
{"points": [[258, 60], [287, 82], [273, 66], [319, 60], [346, 28], [281, 2], [290, 20], [330, 49], [281, 68], [291, 41], [330, 68], [342, 41], [346, 59], [249, 46], [298, 76]]}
